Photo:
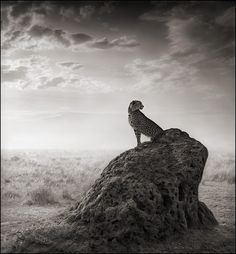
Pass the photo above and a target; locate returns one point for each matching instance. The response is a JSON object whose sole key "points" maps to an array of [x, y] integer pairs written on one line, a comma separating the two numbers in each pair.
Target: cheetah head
{"points": [[136, 105]]}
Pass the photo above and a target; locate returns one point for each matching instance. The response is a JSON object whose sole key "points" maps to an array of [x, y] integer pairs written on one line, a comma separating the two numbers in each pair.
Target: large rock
{"points": [[145, 194]]}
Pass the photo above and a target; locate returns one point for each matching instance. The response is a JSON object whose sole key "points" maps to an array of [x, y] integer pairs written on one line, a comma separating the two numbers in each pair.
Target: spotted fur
{"points": [[141, 124]]}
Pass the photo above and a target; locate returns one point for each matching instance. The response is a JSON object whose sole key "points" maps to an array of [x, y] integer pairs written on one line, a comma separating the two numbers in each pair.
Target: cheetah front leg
{"points": [[138, 136]]}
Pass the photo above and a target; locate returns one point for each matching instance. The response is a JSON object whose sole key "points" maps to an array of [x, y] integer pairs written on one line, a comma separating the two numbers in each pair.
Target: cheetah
{"points": [[141, 124]]}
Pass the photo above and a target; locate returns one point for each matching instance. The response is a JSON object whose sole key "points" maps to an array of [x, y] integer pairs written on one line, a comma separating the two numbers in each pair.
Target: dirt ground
{"points": [[219, 197]]}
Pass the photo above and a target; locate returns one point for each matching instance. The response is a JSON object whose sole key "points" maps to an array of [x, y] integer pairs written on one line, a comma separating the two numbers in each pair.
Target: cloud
{"points": [[39, 36], [227, 18], [164, 74], [77, 11], [39, 31], [122, 42], [57, 35], [86, 11], [9, 74], [196, 34], [190, 25], [70, 65], [42, 37], [20, 9], [21, 21], [125, 42], [80, 12], [107, 8], [199, 35], [60, 36], [5, 67], [103, 43], [73, 81], [69, 13], [22, 14], [163, 11], [53, 82], [88, 85], [79, 38], [37, 72], [32, 72], [184, 35], [200, 42], [24, 23], [31, 26]]}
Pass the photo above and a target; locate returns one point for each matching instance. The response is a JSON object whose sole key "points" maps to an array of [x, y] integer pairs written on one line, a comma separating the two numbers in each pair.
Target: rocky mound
{"points": [[144, 195]]}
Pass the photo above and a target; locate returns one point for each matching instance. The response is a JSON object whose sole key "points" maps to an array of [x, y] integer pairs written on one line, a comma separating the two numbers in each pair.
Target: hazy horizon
{"points": [[70, 69]]}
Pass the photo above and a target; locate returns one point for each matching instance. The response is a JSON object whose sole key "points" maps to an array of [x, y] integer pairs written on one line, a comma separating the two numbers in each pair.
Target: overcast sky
{"points": [[70, 69]]}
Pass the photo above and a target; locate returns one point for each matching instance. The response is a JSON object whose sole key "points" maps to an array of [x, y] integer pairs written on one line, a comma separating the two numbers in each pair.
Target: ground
{"points": [[28, 201]]}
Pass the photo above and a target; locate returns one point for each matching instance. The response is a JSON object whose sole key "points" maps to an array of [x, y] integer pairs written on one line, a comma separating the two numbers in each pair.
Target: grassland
{"points": [[37, 185]]}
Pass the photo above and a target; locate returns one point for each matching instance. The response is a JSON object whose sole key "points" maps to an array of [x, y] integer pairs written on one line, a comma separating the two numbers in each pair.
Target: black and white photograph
{"points": [[117, 126]]}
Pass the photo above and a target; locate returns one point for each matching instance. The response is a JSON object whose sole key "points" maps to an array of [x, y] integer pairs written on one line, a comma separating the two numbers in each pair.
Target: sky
{"points": [[69, 70]]}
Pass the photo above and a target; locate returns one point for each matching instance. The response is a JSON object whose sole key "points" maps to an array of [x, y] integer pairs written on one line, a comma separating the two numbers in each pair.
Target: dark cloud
{"points": [[201, 42], [80, 11], [4, 17], [69, 13], [195, 39], [20, 8], [27, 39], [16, 34], [86, 11], [163, 11], [107, 8], [25, 21], [80, 38], [27, 25], [60, 36], [199, 34], [39, 31], [227, 18], [21, 14]]}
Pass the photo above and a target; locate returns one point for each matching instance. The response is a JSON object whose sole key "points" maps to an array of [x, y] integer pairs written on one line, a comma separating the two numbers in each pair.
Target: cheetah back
{"points": [[144, 125]]}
